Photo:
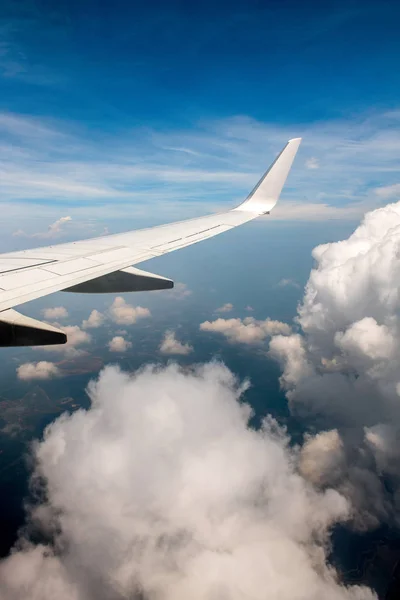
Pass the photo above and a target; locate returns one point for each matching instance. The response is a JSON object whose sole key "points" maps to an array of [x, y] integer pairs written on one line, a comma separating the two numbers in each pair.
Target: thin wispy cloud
{"points": [[388, 191], [287, 282], [180, 291], [312, 163], [227, 307], [213, 165]]}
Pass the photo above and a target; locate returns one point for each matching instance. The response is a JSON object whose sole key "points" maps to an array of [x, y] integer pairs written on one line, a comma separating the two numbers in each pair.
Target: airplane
{"points": [[104, 264]]}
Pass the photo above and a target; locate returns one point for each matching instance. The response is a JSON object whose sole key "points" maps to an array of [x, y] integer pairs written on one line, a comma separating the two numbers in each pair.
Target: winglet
{"points": [[267, 191]]}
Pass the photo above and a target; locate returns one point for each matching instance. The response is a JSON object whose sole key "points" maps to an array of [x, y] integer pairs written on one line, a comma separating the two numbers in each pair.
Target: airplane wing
{"points": [[104, 264]]}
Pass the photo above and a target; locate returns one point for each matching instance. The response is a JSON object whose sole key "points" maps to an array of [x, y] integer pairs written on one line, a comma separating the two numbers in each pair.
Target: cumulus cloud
{"points": [[224, 308], [56, 227], [126, 314], [58, 312], [75, 337], [53, 230], [162, 490], [246, 331], [38, 370], [95, 319], [349, 465], [170, 345], [322, 457], [119, 344], [343, 367], [366, 340], [383, 441]]}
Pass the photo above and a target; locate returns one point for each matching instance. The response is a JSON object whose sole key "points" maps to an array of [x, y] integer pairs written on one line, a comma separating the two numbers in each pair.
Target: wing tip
{"points": [[18, 330], [266, 193]]}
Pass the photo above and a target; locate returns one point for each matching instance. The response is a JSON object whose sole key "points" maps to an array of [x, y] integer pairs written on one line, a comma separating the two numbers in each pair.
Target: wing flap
{"points": [[67, 267], [17, 264], [23, 279], [190, 239]]}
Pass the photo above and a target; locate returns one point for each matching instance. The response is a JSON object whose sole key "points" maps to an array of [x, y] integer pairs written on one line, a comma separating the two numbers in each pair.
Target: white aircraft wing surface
{"points": [[104, 264]]}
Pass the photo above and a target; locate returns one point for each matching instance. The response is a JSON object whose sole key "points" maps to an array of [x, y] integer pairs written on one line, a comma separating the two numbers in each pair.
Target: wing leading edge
{"points": [[105, 264]]}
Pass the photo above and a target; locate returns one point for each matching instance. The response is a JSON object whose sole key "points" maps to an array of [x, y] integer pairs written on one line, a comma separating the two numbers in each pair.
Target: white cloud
{"points": [[288, 283], [30, 128], [223, 160], [126, 314], [178, 292], [365, 339], [75, 337], [382, 440], [312, 163], [170, 345], [53, 231], [318, 211], [38, 370], [343, 367], [224, 308], [58, 312], [388, 191], [95, 319], [162, 486], [322, 458], [56, 227], [119, 344], [246, 331], [292, 348]]}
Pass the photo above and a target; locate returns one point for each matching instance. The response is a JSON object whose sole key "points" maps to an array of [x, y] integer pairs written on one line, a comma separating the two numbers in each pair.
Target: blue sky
{"points": [[117, 64], [123, 114], [120, 115], [180, 106]]}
